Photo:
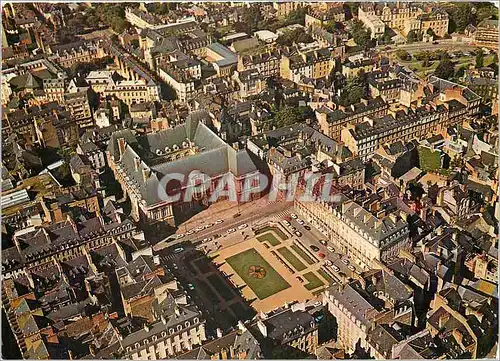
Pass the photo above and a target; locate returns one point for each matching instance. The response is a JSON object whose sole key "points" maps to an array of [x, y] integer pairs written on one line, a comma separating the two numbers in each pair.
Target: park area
{"points": [[257, 273]]}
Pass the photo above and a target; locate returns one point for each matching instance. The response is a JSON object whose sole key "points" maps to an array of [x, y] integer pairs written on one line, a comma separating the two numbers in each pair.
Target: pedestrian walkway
{"points": [[279, 216]]}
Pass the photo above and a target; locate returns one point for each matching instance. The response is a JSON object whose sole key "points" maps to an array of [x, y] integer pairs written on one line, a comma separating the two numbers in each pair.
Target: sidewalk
{"points": [[227, 209]]}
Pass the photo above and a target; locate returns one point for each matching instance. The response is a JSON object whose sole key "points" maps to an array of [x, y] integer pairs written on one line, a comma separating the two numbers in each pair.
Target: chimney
{"points": [[423, 214], [262, 328], [146, 327], [241, 326], [156, 259], [443, 319], [367, 217], [57, 215], [145, 174], [458, 336], [137, 163], [163, 320], [219, 333], [121, 146]]}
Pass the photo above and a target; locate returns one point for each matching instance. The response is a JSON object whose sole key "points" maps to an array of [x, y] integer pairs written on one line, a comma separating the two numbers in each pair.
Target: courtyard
{"points": [[272, 268], [257, 273]]}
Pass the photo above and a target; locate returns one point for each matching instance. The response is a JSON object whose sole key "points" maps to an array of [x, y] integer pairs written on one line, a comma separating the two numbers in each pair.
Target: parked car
{"points": [[179, 250], [179, 236], [298, 233], [323, 242], [299, 279], [314, 248], [231, 230], [317, 304], [286, 223], [294, 216], [219, 221], [207, 239], [328, 262], [300, 221], [330, 249], [174, 266], [243, 226], [190, 286], [200, 228], [335, 268], [307, 227], [321, 255], [351, 267], [208, 225], [345, 261], [190, 232]]}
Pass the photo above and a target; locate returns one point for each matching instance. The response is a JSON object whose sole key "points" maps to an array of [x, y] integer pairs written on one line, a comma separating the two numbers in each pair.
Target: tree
{"points": [[445, 69], [403, 55], [460, 72], [295, 36], [431, 32], [251, 18], [479, 59], [291, 115], [353, 92], [360, 34], [411, 37], [461, 15]]}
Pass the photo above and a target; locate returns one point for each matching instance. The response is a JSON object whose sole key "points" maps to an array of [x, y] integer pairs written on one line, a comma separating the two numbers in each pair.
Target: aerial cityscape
{"points": [[250, 180]]}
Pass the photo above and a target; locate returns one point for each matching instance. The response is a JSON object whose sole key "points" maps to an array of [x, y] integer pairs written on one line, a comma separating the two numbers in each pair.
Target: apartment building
{"points": [[320, 17], [79, 108], [367, 235], [487, 34], [67, 55], [352, 69], [360, 306], [365, 138], [140, 19], [180, 78], [437, 21], [132, 91], [314, 64], [403, 17], [284, 8], [332, 121], [267, 63]]}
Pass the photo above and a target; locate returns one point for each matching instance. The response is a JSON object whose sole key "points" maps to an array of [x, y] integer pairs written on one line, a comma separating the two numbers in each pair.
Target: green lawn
{"points": [[302, 254], [292, 259], [314, 281], [263, 287], [270, 238], [276, 230], [326, 276], [221, 286], [423, 71], [429, 160]]}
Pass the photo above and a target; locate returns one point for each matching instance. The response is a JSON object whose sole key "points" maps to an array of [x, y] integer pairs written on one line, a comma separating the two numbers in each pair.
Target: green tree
{"points": [[251, 18], [290, 115], [360, 34], [445, 69], [411, 37], [431, 32], [403, 55], [353, 92], [461, 15], [479, 59]]}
